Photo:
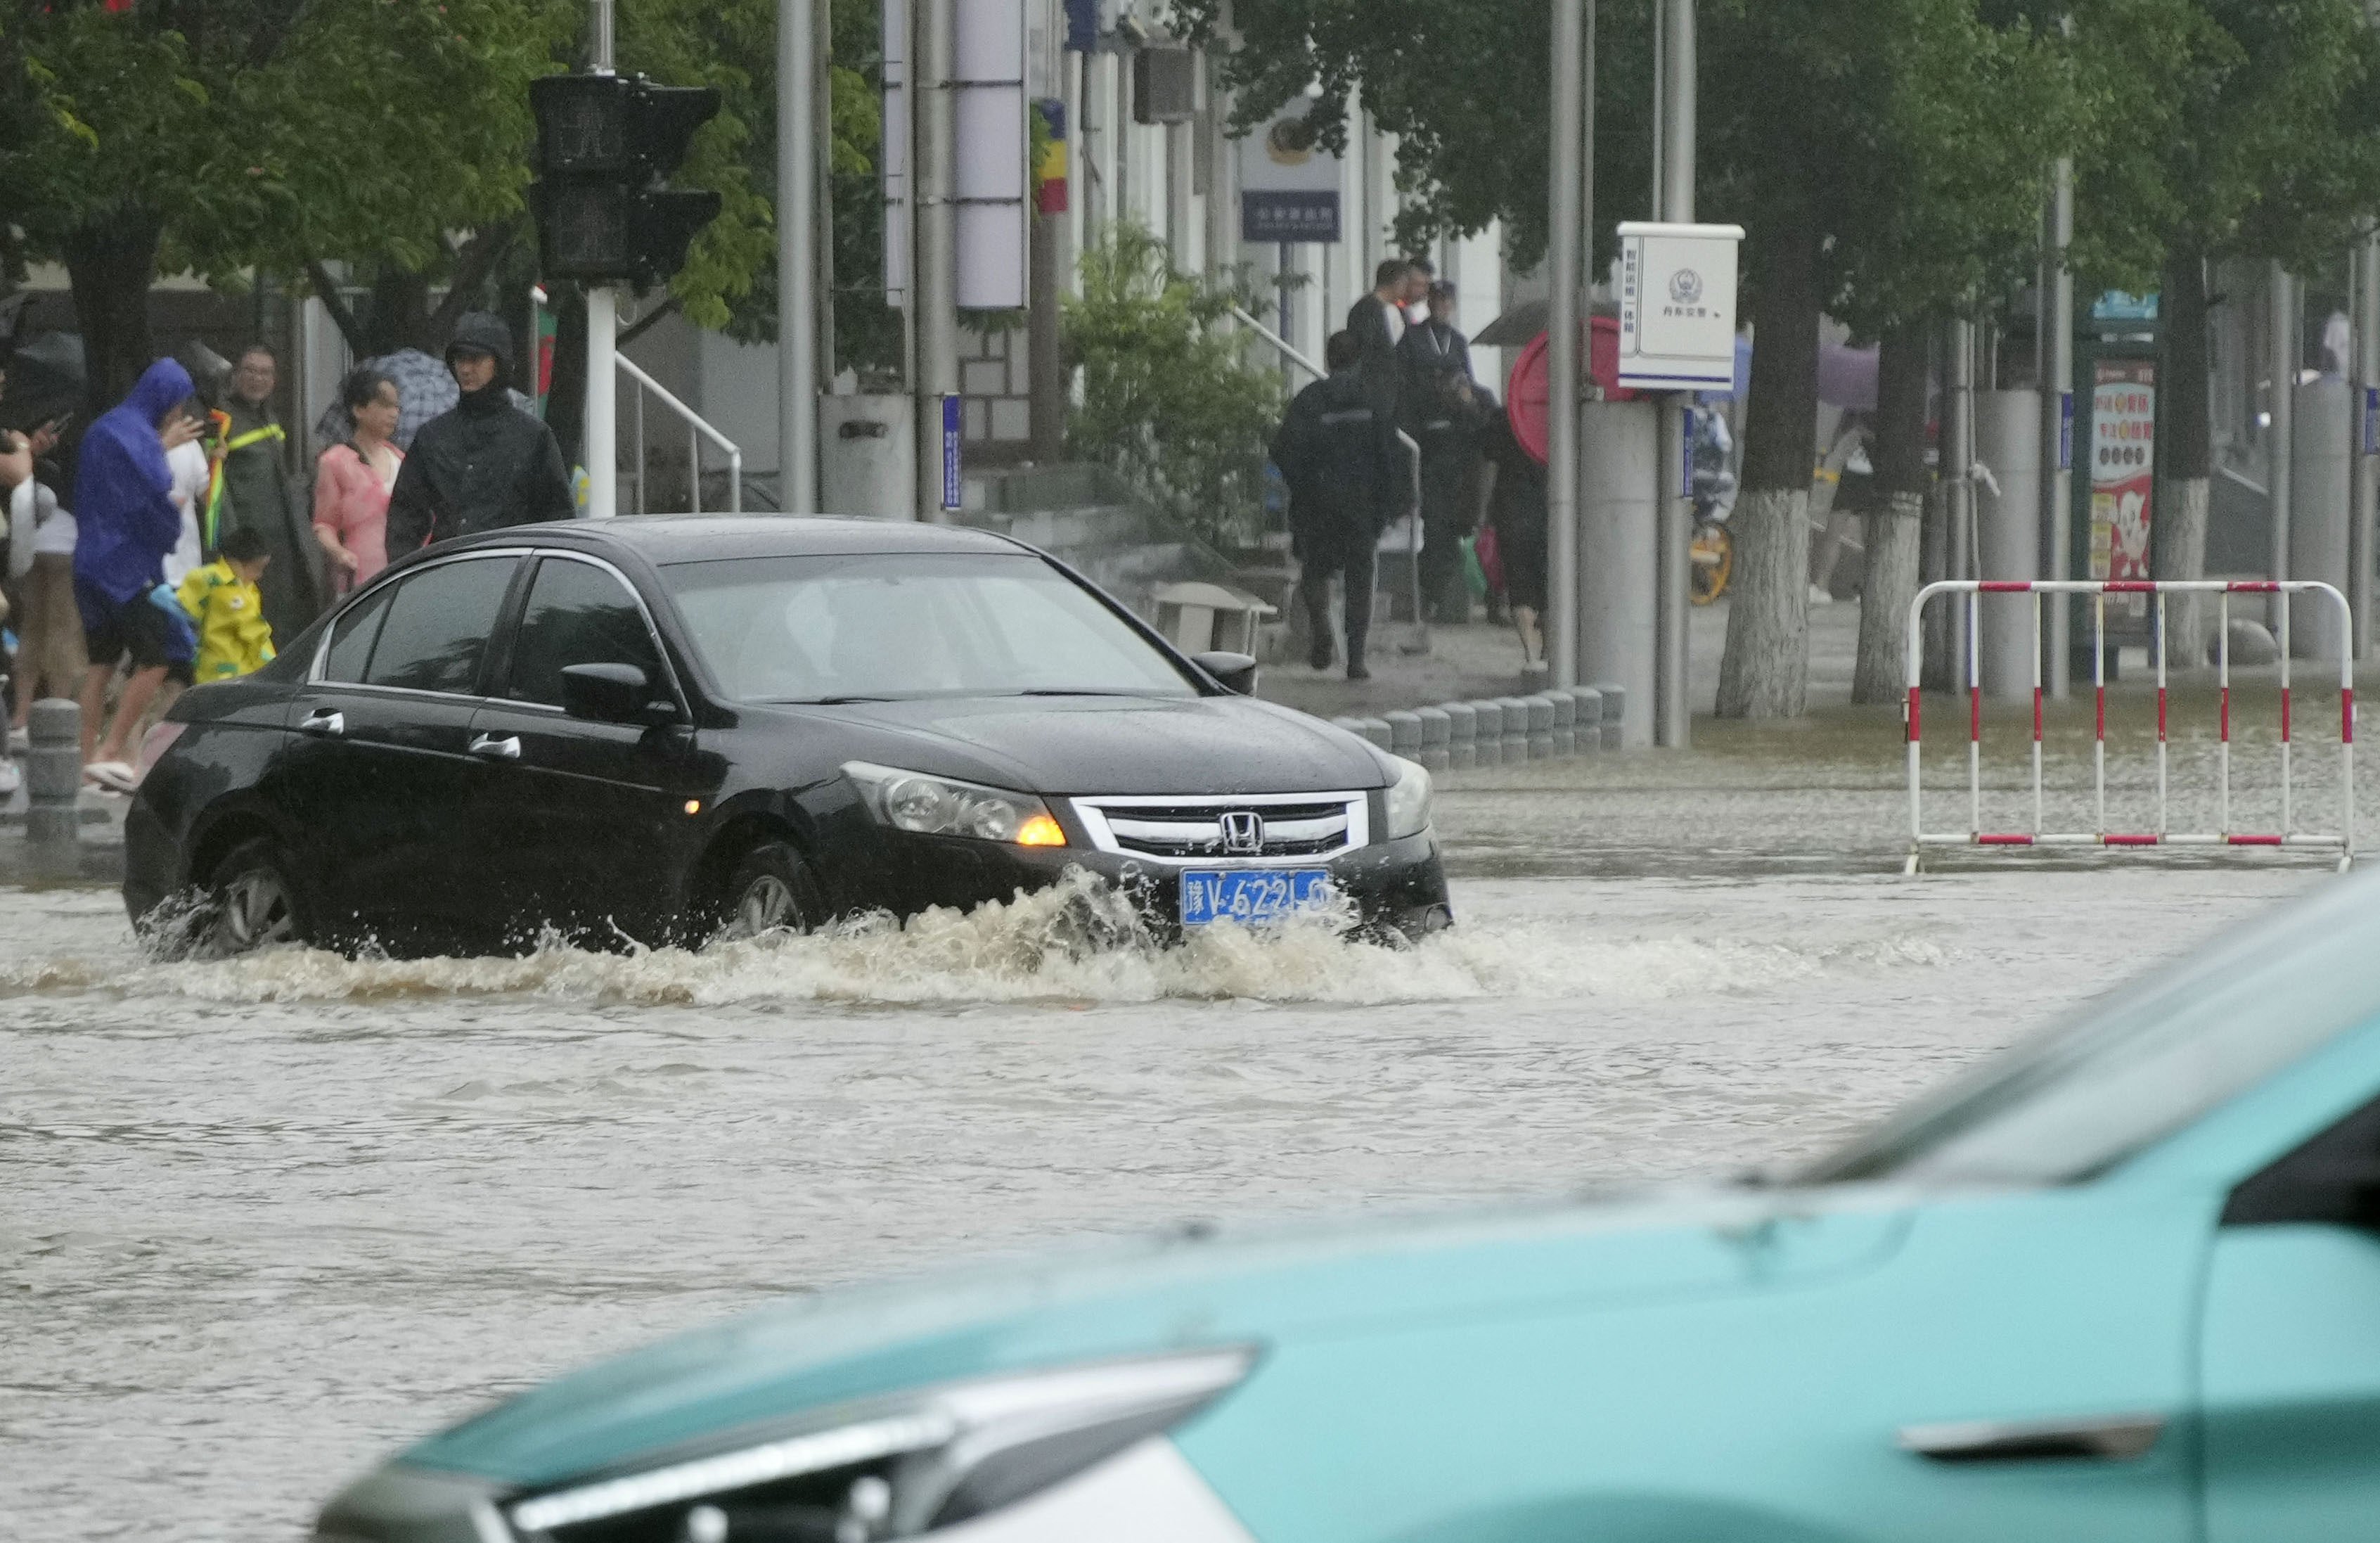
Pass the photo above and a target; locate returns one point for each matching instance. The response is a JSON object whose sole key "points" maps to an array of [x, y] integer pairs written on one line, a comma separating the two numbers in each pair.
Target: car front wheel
{"points": [[255, 901], [771, 892]]}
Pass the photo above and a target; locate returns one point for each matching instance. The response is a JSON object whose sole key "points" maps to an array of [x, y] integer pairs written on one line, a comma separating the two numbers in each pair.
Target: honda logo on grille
{"points": [[1243, 833]]}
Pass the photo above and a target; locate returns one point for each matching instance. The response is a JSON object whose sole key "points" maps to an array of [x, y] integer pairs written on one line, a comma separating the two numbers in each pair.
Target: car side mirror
{"points": [[612, 694], [1234, 671]]}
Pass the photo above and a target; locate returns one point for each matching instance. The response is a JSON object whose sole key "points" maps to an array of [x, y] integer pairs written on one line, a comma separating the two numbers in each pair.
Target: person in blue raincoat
{"points": [[126, 523]]}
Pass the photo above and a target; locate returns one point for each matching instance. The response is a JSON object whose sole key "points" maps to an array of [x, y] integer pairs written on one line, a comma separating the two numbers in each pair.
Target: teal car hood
{"points": [[1196, 1287]]}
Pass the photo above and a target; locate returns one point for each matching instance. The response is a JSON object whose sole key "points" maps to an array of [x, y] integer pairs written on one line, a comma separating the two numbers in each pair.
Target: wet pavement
{"points": [[261, 1220]]}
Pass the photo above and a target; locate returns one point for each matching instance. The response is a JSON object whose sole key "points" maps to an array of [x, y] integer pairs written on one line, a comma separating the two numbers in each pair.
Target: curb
{"points": [[1505, 731]]}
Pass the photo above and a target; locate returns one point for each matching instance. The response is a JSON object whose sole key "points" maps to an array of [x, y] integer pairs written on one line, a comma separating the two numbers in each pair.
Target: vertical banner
{"points": [[952, 438], [2372, 421], [2066, 431], [2123, 467]]}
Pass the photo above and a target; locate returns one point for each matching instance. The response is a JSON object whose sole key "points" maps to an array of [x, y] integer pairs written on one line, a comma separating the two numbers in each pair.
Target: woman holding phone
{"points": [[353, 480]]}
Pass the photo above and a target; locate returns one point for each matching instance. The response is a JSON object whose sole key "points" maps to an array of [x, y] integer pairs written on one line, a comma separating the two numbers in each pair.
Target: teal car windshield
{"points": [[888, 626], [2142, 1064]]}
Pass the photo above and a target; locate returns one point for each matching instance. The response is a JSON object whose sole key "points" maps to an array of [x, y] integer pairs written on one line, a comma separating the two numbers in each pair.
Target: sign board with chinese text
{"points": [[1289, 185], [2123, 467], [1677, 305]]}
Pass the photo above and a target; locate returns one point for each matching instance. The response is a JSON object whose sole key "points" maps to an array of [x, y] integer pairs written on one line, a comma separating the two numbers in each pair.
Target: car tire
{"points": [[770, 893], [254, 900]]}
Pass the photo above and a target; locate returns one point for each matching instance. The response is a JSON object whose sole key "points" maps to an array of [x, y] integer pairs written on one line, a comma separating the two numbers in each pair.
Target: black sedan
{"points": [[667, 729]]}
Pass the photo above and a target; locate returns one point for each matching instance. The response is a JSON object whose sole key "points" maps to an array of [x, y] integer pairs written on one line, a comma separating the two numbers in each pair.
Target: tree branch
{"points": [[472, 265], [343, 316], [643, 323]]}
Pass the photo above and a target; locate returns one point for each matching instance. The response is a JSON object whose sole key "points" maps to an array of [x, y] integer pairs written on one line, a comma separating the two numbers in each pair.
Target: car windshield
{"points": [[2145, 1063], [888, 626]]}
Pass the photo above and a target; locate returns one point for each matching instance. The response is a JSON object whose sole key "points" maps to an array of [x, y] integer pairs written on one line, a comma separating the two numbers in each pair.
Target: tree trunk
{"points": [[2189, 452], [110, 263], [1765, 669], [565, 408], [1895, 522]]}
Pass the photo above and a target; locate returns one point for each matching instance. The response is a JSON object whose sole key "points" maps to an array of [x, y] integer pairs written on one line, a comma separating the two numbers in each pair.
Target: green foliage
{"points": [[1170, 399]]}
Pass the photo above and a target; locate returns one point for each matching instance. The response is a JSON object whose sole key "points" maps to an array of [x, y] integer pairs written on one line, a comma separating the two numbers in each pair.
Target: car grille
{"points": [[1250, 828]]}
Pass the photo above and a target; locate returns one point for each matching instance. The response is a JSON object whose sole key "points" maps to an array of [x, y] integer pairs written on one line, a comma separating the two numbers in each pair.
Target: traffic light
{"points": [[605, 144]]}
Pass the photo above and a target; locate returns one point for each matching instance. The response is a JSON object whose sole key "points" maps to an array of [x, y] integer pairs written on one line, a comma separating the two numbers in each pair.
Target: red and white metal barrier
{"points": [[2342, 841]]}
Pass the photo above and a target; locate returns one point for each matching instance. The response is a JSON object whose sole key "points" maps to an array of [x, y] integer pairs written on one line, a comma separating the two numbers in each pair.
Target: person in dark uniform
{"points": [[1338, 456], [1512, 490], [1378, 321], [255, 494], [483, 464], [1442, 411]]}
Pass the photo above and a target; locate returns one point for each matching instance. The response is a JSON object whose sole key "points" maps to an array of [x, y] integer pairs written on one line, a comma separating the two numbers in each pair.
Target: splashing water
{"points": [[1077, 940]]}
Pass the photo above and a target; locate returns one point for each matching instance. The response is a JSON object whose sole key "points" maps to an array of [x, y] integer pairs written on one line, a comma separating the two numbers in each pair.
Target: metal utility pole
{"points": [[2365, 400], [2281, 364], [1958, 478], [2058, 424], [1673, 717], [1562, 345], [602, 424], [797, 294], [934, 271]]}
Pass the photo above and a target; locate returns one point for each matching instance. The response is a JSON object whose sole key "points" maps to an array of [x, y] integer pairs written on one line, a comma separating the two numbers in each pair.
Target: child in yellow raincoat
{"points": [[223, 599]]}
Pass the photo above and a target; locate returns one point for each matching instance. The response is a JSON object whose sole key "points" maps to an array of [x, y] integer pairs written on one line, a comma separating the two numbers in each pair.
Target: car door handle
{"points": [[2107, 1437], [323, 721], [488, 745]]}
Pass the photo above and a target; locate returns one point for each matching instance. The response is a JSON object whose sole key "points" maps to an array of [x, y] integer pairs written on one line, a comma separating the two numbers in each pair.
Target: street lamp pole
{"points": [[1673, 719], [796, 266], [1561, 347]]}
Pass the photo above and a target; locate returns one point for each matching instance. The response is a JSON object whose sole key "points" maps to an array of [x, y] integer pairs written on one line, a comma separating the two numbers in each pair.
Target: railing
{"points": [[1413, 466], [697, 431], [2342, 841]]}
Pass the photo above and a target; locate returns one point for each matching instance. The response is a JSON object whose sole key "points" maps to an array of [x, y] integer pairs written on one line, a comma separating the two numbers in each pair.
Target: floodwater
{"points": [[262, 1221]]}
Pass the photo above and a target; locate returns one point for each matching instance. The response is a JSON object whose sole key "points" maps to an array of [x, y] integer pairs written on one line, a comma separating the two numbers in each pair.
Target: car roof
{"points": [[665, 538]]}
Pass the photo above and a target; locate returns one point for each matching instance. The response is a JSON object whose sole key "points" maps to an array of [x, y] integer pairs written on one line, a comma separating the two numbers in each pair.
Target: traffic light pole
{"points": [[797, 265], [603, 452]]}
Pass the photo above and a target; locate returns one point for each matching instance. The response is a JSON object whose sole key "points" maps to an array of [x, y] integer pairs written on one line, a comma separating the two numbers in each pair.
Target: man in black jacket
{"points": [[1378, 321], [483, 464], [1441, 407], [1336, 454]]}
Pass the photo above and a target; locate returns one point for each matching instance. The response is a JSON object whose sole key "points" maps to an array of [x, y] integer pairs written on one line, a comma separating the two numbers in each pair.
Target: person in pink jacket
{"points": [[352, 482]]}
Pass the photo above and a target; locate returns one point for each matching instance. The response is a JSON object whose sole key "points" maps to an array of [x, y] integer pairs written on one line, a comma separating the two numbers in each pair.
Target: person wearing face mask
{"points": [[484, 464]]}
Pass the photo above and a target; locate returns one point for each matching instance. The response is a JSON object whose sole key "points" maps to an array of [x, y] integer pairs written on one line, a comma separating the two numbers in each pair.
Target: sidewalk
{"points": [[1481, 660]]}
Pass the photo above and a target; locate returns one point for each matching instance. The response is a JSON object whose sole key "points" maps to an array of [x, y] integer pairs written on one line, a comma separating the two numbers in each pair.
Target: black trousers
{"points": [[1353, 558]]}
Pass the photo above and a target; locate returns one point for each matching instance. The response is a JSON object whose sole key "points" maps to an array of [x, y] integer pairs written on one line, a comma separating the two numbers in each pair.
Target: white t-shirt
{"points": [[187, 463], [36, 520]]}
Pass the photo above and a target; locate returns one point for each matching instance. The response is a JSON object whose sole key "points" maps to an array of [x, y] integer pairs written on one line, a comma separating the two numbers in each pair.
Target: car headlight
{"points": [[1408, 799], [897, 1467], [932, 806]]}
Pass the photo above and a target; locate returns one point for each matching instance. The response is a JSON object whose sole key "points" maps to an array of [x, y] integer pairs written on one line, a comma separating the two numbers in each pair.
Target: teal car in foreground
{"points": [[2122, 1286]]}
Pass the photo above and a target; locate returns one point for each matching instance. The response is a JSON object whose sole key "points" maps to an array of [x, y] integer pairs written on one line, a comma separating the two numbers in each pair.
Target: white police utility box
{"points": [[1677, 305]]}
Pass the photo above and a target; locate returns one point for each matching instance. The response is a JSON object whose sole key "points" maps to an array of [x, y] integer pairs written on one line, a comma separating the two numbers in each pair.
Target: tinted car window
{"points": [[438, 624], [576, 614], [352, 639]]}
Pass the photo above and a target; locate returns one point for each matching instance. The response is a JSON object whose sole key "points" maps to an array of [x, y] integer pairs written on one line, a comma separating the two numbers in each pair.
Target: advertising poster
{"points": [[2123, 467]]}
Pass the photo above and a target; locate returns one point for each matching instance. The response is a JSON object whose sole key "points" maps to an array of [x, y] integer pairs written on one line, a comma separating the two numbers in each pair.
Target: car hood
{"points": [[1195, 1287], [1118, 745]]}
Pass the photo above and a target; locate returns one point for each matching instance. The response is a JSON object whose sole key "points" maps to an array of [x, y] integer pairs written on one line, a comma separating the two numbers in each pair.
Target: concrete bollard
{"points": [[1489, 740], [1462, 735], [1541, 727], [1376, 730], [1516, 729], [1404, 733], [54, 775], [1615, 710], [1590, 718], [1434, 728], [1565, 722], [1352, 725]]}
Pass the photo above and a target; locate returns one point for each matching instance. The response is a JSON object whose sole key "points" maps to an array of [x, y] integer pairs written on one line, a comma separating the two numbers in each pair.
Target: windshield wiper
{"points": [[1077, 691], [827, 701]]}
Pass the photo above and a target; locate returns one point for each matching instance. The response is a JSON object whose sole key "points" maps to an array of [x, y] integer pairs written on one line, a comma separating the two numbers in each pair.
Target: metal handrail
{"points": [[697, 431], [1421, 643]]}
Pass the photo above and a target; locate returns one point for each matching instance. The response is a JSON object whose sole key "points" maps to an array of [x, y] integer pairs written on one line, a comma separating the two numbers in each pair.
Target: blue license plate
{"points": [[1252, 896]]}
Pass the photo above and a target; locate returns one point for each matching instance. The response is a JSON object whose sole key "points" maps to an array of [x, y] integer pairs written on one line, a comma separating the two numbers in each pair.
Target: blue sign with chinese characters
{"points": [[952, 436], [1290, 216], [2065, 431]]}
